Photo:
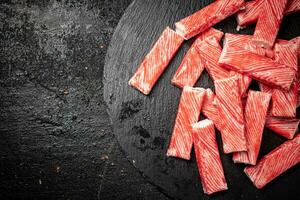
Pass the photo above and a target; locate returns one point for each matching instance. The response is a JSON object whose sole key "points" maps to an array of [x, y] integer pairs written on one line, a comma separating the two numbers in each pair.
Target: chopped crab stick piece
{"points": [[207, 17], [286, 53], [268, 23], [209, 108], [244, 42], [255, 116], [292, 7], [210, 54], [189, 70], [296, 41], [284, 103], [156, 61], [231, 112], [258, 67], [250, 14], [265, 88], [188, 113], [244, 82], [285, 127], [207, 152], [192, 65], [275, 163]]}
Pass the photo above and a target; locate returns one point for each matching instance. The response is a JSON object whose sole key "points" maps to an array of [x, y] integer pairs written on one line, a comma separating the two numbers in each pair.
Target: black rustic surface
{"points": [[143, 124], [56, 140]]}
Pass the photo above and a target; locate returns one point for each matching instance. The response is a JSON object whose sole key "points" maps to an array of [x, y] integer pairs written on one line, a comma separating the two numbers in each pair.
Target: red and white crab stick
{"points": [[275, 163], [268, 23], [188, 113], [208, 157], [285, 127], [255, 116], [192, 65], [156, 61], [252, 10], [210, 109], [231, 114], [256, 66], [207, 17]]}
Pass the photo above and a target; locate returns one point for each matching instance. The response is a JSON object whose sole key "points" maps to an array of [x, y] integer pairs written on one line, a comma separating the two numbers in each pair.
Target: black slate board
{"points": [[143, 124]]}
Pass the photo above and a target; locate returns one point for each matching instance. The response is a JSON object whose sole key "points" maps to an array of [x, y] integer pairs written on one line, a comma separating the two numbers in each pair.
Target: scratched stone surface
{"points": [[56, 140]]}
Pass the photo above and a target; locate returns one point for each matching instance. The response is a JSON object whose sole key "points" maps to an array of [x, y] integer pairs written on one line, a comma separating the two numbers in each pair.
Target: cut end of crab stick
{"points": [[255, 116], [275, 163], [250, 14], [292, 7], [207, 152], [285, 127], [258, 67], [268, 23], [231, 114], [188, 113], [156, 61], [192, 65], [207, 17]]}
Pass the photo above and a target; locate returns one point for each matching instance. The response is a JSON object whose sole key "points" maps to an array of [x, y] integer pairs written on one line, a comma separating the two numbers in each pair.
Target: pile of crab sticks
{"points": [[238, 113]]}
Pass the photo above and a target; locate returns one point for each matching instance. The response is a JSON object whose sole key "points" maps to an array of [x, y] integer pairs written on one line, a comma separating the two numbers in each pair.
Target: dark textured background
{"points": [[56, 141]]}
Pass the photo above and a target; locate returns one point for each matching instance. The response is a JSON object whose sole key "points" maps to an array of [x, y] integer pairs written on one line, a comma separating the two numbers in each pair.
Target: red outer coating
{"points": [[275, 163], [207, 152], [156, 61], [210, 110], [192, 65], [268, 23], [284, 103], [188, 113], [286, 53], [231, 113], [292, 7], [250, 14], [244, 42], [296, 41], [287, 56], [210, 54], [244, 82], [252, 11], [207, 17], [258, 67], [285, 127], [255, 116]]}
